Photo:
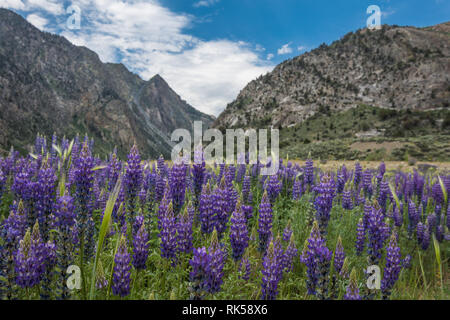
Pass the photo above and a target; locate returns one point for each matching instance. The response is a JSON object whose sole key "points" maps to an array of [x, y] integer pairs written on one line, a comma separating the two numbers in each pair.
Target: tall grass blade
{"points": [[437, 251], [103, 229]]}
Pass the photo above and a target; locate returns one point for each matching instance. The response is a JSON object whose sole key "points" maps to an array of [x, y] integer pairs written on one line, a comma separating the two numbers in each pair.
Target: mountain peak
{"points": [[54, 86]]}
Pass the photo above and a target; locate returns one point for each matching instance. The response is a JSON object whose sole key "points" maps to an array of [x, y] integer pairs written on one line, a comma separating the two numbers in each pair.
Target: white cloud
{"points": [[270, 56], [38, 21], [388, 12], [301, 48], [50, 6], [12, 4], [209, 75], [150, 39], [285, 49], [205, 3]]}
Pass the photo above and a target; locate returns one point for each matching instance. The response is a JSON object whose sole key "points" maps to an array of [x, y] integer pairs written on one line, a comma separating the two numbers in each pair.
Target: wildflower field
{"points": [[76, 226]]}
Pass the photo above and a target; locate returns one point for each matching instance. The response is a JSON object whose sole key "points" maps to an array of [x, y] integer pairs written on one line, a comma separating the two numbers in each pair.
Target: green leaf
{"points": [[62, 185], [98, 168], [444, 190], [102, 233], [394, 194], [437, 251], [58, 150]]}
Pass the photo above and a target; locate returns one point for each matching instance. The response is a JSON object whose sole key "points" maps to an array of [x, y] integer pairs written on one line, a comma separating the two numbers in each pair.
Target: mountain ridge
{"points": [[55, 86], [380, 67]]}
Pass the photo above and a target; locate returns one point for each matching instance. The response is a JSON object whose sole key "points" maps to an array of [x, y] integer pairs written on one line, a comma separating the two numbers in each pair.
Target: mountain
{"points": [[401, 73], [48, 85]]}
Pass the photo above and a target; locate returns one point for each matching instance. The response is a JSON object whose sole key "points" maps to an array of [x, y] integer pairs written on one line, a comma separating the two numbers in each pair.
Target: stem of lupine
{"points": [[421, 268]]}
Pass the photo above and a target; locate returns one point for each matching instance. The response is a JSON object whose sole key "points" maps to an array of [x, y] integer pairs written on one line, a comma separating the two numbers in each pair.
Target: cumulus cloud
{"points": [[209, 75], [151, 39], [12, 4], [38, 21], [270, 56], [50, 6], [285, 49]]}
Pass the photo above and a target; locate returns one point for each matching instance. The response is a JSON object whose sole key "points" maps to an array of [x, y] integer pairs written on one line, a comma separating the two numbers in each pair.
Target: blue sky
{"points": [[208, 50]]}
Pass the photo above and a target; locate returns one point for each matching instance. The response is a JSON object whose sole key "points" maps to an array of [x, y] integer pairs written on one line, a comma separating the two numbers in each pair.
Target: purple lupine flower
{"points": [[339, 256], [199, 275], [418, 182], [352, 291], [324, 202], [440, 233], [168, 235], [437, 194], [383, 195], [163, 206], [46, 184], [140, 248], [448, 217], [245, 268], [413, 216], [198, 174], [122, 267], [83, 180], [360, 237], [177, 184], [162, 168], [238, 233], [160, 185], [376, 235], [132, 182], [248, 211], [113, 170], [27, 275], [347, 202], [381, 171], [221, 206], [246, 189], [273, 188], [317, 258], [423, 235], [392, 267], [297, 190], [398, 217], [208, 216], [2, 183], [289, 255], [367, 183], [271, 274], [432, 221], [184, 230], [309, 172], [287, 232], [357, 176], [216, 264], [264, 222], [30, 259]]}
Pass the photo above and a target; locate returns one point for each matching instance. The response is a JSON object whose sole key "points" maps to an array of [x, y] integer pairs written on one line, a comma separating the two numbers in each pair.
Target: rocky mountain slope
{"points": [[49, 85], [396, 67]]}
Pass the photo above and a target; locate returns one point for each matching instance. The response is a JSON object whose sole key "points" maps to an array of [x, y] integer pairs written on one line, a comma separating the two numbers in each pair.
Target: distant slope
{"points": [[371, 95], [49, 85], [395, 67]]}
